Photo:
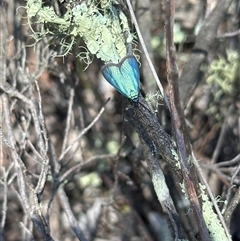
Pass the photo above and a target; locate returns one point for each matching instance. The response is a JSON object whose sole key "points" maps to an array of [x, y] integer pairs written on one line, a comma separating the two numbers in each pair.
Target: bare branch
{"points": [[71, 218]]}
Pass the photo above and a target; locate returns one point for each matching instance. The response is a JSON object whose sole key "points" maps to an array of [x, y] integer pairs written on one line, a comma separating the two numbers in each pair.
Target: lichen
{"points": [[101, 25], [214, 226]]}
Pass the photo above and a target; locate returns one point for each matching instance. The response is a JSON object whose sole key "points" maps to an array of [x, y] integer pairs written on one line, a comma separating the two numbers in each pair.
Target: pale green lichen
{"points": [[225, 72], [153, 98], [33, 7], [214, 226], [183, 189], [99, 23], [175, 155], [223, 82]]}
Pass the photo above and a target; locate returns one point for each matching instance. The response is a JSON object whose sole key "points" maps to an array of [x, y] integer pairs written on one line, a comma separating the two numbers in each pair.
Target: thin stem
{"points": [[147, 55], [84, 131], [66, 206]]}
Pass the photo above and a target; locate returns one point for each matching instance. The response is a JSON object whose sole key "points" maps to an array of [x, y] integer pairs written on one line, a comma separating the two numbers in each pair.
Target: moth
{"points": [[124, 77]]}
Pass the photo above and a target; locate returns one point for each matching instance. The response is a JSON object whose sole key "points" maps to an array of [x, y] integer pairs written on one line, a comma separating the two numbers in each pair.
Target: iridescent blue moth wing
{"points": [[130, 71], [124, 77]]}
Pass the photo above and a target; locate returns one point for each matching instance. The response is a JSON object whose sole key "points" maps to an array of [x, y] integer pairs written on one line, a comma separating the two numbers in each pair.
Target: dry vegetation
{"points": [[73, 166]]}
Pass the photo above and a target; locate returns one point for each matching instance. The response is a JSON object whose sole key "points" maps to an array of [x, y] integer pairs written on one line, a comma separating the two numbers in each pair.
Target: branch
{"points": [[178, 121], [207, 224], [69, 214], [159, 183], [155, 140]]}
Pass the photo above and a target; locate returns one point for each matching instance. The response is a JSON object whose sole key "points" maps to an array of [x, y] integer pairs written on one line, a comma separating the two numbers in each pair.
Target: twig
{"points": [[218, 172], [42, 123], [4, 197], [228, 35], [231, 162], [32, 210], [83, 132], [147, 55], [229, 206], [68, 119], [66, 206], [10, 143], [27, 231], [221, 136], [76, 168]]}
